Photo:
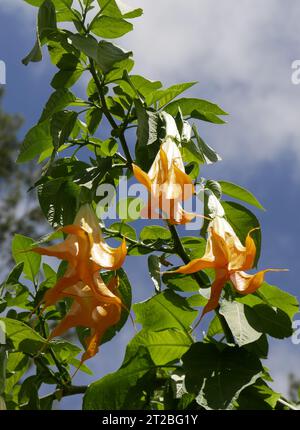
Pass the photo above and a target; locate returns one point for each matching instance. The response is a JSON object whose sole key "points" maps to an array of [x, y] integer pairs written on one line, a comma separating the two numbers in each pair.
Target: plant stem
{"points": [[285, 403], [183, 255], [114, 233], [109, 116]]}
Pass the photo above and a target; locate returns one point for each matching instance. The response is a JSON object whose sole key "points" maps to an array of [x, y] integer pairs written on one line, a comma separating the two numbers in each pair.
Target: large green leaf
{"points": [[110, 27], [104, 53], [275, 297], [180, 282], [59, 200], [58, 101], [62, 125], [116, 8], [23, 337], [239, 193], [164, 346], [165, 310], [124, 389], [197, 108], [218, 376], [234, 315], [20, 246], [258, 396], [37, 140], [164, 96], [46, 20], [266, 319], [154, 232], [243, 220]]}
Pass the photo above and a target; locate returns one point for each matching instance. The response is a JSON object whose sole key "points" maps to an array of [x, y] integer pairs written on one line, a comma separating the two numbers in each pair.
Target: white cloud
{"points": [[241, 54]]}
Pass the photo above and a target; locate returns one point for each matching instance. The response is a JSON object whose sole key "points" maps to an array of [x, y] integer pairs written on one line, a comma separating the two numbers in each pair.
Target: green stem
{"points": [[113, 233], [183, 255], [108, 115]]}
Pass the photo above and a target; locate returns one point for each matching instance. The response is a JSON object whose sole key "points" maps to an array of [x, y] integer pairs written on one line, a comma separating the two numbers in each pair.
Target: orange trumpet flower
{"points": [[167, 183], [226, 254], [97, 312], [86, 253]]}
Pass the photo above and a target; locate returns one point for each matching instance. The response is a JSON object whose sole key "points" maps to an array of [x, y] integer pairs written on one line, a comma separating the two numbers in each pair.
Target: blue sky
{"points": [[241, 54]]}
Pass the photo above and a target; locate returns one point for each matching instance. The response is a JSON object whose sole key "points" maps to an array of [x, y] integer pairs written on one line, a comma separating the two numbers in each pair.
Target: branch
{"points": [[109, 116]]}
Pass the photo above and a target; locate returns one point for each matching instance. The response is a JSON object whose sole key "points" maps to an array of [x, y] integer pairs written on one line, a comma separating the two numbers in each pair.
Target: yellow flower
{"points": [[226, 254], [167, 183], [95, 305], [86, 253], [97, 312]]}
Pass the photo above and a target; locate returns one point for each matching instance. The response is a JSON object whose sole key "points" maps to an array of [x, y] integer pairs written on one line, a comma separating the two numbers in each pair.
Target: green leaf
{"points": [[104, 53], [165, 310], [35, 55], [20, 246], [265, 319], [37, 140], [209, 155], [23, 337], [215, 327], [197, 108], [62, 125], [154, 267], [125, 294], [164, 96], [154, 232], [3, 361], [147, 135], [46, 20], [59, 200], [216, 376], [17, 365], [258, 396], [136, 85], [107, 148], [235, 317], [240, 193], [58, 101], [110, 27], [66, 78], [180, 282], [93, 118], [124, 229], [123, 389], [243, 220], [275, 297], [118, 9], [14, 275], [64, 350], [164, 346], [194, 246]]}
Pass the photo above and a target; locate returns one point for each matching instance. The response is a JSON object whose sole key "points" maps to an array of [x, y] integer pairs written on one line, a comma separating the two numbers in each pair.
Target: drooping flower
{"points": [[167, 183], [97, 312], [230, 259], [86, 253], [95, 305]]}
